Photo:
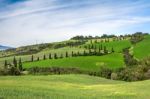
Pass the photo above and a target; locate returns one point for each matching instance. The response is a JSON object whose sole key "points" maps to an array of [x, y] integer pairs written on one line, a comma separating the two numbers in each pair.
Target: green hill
{"points": [[71, 87], [142, 49], [90, 63], [117, 45]]}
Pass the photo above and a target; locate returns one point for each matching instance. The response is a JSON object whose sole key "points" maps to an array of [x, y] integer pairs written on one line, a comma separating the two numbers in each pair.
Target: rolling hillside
{"points": [[71, 87], [142, 49], [90, 63]]}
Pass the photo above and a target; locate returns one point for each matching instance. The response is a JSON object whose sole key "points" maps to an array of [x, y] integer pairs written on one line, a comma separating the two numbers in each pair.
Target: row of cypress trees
{"points": [[90, 52], [15, 64]]}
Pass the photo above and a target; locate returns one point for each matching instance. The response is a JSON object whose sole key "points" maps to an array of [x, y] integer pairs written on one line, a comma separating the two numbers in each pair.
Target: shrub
{"points": [[114, 76]]}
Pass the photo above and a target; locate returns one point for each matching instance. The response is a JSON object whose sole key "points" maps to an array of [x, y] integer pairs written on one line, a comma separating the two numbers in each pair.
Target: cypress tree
{"points": [[32, 58], [38, 58], [55, 56], [91, 41], [61, 56], [72, 54], [15, 62], [112, 50], [5, 64], [99, 49], [95, 50], [44, 57], [105, 50], [20, 64], [89, 47], [66, 54], [50, 56], [84, 53], [92, 47], [78, 53], [90, 51]]}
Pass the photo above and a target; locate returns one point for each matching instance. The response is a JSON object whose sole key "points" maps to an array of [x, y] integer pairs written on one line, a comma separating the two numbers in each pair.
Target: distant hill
{"points": [[4, 47]]}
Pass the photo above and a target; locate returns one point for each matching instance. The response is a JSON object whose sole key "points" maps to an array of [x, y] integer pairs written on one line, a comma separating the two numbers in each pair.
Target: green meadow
{"points": [[71, 87], [77, 86], [90, 63], [142, 49], [117, 45]]}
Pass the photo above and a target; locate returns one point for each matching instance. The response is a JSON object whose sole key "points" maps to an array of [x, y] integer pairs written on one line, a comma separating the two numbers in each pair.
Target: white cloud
{"points": [[47, 21]]}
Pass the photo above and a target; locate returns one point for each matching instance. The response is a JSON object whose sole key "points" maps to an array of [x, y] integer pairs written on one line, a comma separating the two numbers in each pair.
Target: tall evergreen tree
{"points": [[89, 47], [32, 58], [105, 50], [15, 62], [91, 41], [5, 64], [72, 54], [20, 64], [50, 56], [55, 56], [95, 49], [61, 56], [66, 54], [112, 50], [44, 57], [84, 53], [38, 58], [99, 49], [78, 53], [92, 47], [90, 51]]}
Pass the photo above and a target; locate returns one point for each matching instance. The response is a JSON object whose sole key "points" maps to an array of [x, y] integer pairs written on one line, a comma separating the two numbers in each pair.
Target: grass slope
{"points": [[90, 63], [117, 45], [142, 49], [40, 54], [71, 87]]}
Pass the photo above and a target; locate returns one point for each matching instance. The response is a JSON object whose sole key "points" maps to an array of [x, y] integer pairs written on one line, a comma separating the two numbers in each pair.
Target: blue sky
{"points": [[24, 22]]}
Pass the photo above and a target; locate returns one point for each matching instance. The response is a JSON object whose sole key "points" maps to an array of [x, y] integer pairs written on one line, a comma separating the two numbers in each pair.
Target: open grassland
{"points": [[71, 87], [90, 63], [142, 49]]}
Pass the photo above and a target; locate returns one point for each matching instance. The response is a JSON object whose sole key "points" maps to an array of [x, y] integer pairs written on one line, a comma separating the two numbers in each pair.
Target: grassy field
{"points": [[117, 45], [90, 63], [40, 54], [70, 87], [142, 49]]}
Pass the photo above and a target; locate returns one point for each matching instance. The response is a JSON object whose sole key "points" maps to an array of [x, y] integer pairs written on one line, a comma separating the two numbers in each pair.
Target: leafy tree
{"points": [[20, 64]]}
